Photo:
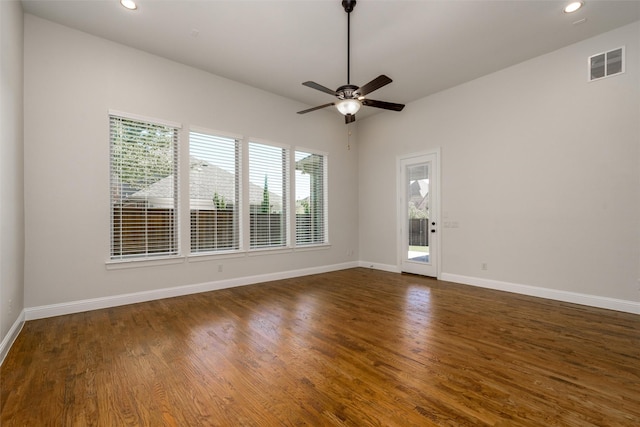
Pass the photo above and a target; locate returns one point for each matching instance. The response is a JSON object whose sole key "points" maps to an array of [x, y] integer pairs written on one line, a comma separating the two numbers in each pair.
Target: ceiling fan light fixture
{"points": [[351, 97], [348, 106]]}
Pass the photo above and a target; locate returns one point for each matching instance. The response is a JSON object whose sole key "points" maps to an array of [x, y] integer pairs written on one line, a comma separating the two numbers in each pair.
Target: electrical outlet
{"points": [[484, 266], [219, 268]]}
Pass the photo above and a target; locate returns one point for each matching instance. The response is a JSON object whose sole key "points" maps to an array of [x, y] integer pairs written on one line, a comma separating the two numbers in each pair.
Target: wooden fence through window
{"points": [[140, 230]]}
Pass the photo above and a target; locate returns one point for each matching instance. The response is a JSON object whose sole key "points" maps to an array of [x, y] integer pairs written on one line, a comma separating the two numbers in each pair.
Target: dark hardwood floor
{"points": [[350, 348]]}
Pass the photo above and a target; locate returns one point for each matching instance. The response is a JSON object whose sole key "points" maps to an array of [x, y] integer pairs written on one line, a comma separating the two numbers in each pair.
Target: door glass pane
{"points": [[418, 212]]}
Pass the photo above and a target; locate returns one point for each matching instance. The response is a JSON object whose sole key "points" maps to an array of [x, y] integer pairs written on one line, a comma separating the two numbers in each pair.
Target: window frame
{"points": [[238, 202], [181, 230], [146, 257], [325, 199], [286, 182]]}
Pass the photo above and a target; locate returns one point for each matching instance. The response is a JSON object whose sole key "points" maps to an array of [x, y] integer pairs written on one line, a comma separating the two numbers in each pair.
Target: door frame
{"points": [[435, 239]]}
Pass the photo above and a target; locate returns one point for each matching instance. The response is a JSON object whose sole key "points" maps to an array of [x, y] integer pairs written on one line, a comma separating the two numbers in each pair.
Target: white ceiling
{"points": [[425, 46]]}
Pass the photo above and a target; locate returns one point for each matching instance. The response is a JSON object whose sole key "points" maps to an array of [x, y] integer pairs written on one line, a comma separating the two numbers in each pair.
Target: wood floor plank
{"points": [[351, 348]]}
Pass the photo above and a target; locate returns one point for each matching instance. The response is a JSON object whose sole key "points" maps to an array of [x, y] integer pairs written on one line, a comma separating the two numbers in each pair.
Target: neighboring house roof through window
{"points": [[212, 180]]}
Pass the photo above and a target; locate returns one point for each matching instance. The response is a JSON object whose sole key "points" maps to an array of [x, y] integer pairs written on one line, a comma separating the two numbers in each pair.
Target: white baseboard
{"points": [[52, 310], [377, 266], [554, 294], [11, 336]]}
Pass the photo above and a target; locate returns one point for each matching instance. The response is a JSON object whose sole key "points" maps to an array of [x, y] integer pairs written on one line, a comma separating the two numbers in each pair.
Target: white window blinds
{"points": [[268, 186], [310, 182], [214, 192], [144, 182]]}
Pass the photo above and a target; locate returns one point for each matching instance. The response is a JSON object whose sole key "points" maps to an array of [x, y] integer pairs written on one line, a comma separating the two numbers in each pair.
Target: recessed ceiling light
{"points": [[129, 4], [572, 7]]}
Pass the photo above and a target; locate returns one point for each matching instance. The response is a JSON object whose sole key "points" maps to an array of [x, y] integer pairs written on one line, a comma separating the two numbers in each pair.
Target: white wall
{"points": [[72, 79], [11, 172], [539, 167]]}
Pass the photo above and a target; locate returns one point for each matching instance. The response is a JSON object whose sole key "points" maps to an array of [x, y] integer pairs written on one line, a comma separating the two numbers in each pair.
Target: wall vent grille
{"points": [[606, 64]]}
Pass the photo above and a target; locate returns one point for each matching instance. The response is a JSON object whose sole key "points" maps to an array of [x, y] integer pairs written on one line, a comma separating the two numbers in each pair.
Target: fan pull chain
{"points": [[349, 137]]}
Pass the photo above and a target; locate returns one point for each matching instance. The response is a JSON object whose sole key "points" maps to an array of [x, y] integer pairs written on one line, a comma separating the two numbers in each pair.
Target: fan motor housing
{"points": [[347, 92]]}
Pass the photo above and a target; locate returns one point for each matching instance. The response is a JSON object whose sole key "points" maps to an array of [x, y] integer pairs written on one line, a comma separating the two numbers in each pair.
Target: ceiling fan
{"points": [[351, 97]]}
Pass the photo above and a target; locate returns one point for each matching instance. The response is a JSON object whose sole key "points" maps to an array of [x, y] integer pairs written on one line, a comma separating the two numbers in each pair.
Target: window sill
{"points": [[269, 251], [143, 262], [314, 247], [209, 256], [179, 259]]}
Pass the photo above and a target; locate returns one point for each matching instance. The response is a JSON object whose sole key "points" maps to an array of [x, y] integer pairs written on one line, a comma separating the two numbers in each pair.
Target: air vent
{"points": [[606, 64]]}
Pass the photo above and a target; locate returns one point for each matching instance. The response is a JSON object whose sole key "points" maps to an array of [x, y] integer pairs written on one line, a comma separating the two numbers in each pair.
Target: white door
{"points": [[418, 225]]}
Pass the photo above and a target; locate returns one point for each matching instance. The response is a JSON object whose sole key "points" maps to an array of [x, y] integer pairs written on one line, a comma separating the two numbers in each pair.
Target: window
{"points": [[310, 180], [239, 195], [268, 186], [143, 188], [214, 192]]}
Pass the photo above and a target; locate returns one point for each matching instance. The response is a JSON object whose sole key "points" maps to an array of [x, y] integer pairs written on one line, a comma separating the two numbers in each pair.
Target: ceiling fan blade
{"points": [[374, 84], [316, 108], [382, 104], [349, 118], [316, 86]]}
